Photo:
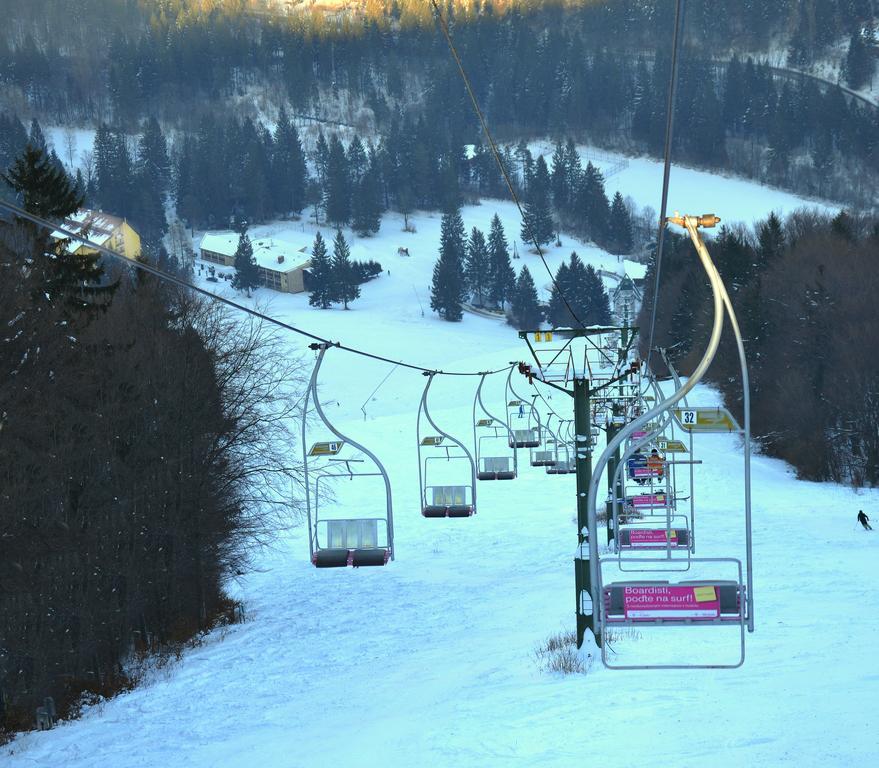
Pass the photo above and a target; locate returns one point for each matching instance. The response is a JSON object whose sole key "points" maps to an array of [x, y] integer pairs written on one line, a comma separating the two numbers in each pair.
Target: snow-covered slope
{"points": [[429, 661]]}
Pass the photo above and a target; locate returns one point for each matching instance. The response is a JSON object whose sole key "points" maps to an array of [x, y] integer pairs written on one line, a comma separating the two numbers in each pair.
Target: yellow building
{"points": [[102, 229]]}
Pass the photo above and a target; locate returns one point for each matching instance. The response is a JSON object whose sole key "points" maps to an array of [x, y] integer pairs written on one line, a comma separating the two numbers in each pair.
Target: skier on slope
{"points": [[864, 520]]}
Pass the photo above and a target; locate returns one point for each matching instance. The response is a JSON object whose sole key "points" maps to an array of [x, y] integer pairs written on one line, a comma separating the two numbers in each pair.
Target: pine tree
{"points": [[338, 185], [289, 173], [345, 285], [619, 227], [502, 278], [770, 241], [151, 178], [447, 287], [152, 155], [357, 160], [525, 307], [320, 280], [537, 225], [857, 69], [557, 313], [36, 138], [593, 205], [246, 270], [597, 310], [366, 205], [574, 171], [47, 191], [322, 159], [559, 177], [103, 158], [44, 189], [477, 267]]}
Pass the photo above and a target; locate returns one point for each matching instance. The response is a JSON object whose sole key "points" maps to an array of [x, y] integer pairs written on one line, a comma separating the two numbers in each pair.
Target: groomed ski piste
{"points": [[430, 661]]}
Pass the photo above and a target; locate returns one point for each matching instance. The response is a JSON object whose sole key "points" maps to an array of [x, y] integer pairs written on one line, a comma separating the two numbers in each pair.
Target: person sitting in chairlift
{"points": [[637, 461], [656, 463], [864, 520]]}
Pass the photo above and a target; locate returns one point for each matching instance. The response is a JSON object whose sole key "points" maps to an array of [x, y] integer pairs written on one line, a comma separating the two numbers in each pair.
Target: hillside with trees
{"points": [[140, 460]]}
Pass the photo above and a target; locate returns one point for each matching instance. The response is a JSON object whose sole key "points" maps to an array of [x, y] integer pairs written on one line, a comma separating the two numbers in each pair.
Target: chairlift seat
{"points": [[543, 459], [495, 468], [367, 557], [729, 599], [525, 438], [330, 558], [340, 558], [448, 501], [680, 539]]}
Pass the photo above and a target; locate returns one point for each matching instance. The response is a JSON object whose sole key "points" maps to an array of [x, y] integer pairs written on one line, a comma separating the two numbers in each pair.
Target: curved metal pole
{"points": [[531, 405], [677, 381], [510, 437], [640, 421], [422, 408], [746, 406], [312, 531], [355, 444]]}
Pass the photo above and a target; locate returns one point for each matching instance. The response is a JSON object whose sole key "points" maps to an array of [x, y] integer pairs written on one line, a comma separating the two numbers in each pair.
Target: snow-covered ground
{"points": [[733, 198], [430, 660]]}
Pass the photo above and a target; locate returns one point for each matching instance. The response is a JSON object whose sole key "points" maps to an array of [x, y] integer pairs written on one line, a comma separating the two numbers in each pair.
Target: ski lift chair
{"points": [[340, 542], [443, 498], [491, 442], [519, 410]]}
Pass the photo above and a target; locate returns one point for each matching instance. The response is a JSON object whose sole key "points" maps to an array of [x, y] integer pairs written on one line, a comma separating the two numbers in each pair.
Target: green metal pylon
{"points": [[583, 453]]}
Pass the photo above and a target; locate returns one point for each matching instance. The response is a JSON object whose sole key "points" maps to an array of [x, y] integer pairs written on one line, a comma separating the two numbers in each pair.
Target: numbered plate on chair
{"points": [[485, 422], [706, 420], [433, 440], [671, 446], [326, 449]]}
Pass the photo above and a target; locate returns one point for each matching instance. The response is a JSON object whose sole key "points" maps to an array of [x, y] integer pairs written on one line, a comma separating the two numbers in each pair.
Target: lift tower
{"points": [[577, 373]]}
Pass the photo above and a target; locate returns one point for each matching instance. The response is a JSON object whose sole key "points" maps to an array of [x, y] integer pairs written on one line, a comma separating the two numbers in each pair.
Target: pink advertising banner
{"points": [[649, 500], [646, 471], [651, 537], [671, 602]]}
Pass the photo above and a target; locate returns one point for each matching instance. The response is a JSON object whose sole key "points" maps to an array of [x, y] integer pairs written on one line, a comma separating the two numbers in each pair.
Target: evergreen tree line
{"points": [[149, 58], [804, 290], [124, 176], [536, 73], [574, 196], [139, 450], [478, 270], [337, 278]]}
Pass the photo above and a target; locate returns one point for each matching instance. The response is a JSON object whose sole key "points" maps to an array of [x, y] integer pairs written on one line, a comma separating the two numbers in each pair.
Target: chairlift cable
{"points": [[181, 283], [497, 157], [666, 170]]}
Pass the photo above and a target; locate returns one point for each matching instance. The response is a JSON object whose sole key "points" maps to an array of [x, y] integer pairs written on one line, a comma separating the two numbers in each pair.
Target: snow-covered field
{"points": [[430, 661]]}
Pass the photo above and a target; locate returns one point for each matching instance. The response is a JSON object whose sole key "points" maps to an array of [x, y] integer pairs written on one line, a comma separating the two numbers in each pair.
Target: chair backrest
{"points": [[449, 495], [352, 534], [496, 464]]}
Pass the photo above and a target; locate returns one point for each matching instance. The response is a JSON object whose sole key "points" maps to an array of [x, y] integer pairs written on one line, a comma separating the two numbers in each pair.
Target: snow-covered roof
{"points": [[97, 226], [266, 250]]}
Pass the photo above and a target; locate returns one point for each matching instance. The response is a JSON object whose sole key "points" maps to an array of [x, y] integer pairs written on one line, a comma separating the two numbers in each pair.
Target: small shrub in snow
{"points": [[559, 654]]}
